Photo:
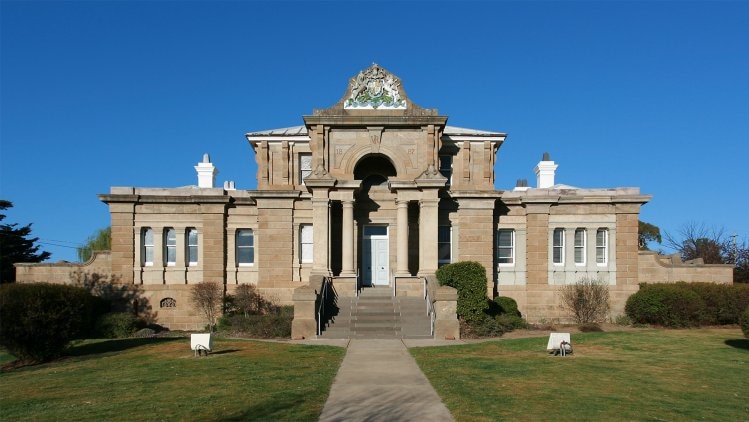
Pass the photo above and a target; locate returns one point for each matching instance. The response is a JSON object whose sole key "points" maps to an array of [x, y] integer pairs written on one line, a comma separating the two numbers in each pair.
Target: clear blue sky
{"points": [[100, 94]]}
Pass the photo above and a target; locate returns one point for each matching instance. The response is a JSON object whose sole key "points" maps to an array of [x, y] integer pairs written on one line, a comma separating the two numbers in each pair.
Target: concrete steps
{"points": [[376, 314]]}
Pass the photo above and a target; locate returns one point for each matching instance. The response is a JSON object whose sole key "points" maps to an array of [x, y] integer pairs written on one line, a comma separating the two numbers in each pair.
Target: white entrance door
{"points": [[375, 256]]}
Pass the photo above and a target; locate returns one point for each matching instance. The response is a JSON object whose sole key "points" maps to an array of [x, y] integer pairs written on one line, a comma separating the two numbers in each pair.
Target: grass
{"points": [[151, 379], [643, 375]]}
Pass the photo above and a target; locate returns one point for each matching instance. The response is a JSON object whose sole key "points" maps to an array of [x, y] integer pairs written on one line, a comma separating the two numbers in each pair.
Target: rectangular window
{"points": [[245, 240], [146, 251], [170, 246], [506, 246], [192, 246], [446, 166], [580, 246], [602, 246], [558, 246], [305, 166], [444, 245], [306, 247]]}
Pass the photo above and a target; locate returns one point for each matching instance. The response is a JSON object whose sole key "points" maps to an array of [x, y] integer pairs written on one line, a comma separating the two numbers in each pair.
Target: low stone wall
{"points": [[654, 268], [63, 272]]}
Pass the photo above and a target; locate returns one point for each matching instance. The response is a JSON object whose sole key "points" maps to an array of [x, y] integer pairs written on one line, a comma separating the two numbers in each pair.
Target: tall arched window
{"points": [[170, 246], [146, 249], [192, 246]]}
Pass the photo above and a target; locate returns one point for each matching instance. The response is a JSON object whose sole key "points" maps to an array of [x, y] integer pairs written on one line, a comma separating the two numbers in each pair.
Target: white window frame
{"points": [[170, 247], [306, 244], [146, 247], [304, 172], [192, 259], [557, 246], [504, 247], [602, 248], [440, 260], [239, 247], [580, 247]]}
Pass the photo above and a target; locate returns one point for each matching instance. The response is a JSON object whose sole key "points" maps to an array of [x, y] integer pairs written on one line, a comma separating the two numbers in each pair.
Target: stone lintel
{"points": [[275, 194], [364, 118]]}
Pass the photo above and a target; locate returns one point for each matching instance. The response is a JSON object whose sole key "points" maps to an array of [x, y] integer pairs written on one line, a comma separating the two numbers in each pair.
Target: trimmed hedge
{"points": [[40, 319], [117, 325], [688, 304], [744, 322], [275, 324], [469, 279]]}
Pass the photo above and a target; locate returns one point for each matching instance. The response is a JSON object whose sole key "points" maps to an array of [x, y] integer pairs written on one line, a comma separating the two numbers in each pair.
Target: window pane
{"points": [[192, 237], [147, 236], [444, 252], [193, 254], [375, 230], [244, 238], [148, 252], [245, 250], [443, 234], [245, 255], [504, 238], [307, 234], [505, 246]]}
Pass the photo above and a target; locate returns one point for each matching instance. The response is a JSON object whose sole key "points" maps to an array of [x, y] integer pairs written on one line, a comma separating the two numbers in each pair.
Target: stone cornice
{"points": [[375, 120]]}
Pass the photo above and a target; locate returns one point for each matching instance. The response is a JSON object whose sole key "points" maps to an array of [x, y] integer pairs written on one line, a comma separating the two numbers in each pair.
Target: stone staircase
{"points": [[376, 314]]}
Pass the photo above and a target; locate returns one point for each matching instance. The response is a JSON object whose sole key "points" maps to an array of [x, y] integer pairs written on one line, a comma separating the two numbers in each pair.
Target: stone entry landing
{"points": [[376, 314]]}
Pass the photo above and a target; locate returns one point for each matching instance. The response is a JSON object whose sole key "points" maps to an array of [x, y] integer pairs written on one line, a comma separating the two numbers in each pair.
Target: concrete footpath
{"points": [[380, 381]]}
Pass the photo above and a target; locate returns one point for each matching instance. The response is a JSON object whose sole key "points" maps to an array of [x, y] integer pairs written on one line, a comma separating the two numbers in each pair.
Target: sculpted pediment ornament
{"points": [[375, 88]]}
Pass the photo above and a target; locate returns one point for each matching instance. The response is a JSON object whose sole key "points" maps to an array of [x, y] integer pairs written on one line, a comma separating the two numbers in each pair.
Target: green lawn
{"points": [[700, 374], [161, 380]]}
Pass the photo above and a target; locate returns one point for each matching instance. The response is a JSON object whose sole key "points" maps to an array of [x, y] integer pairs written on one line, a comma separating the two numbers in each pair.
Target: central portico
{"points": [[378, 170]]}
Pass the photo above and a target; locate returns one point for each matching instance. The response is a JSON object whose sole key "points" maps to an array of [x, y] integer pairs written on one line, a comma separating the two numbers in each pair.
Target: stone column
{"points": [[320, 229], [347, 238], [402, 246], [428, 222]]}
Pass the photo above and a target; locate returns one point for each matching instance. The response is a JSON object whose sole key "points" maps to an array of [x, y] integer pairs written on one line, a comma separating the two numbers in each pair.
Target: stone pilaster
{"points": [[321, 232], [347, 238], [428, 223], [214, 242], [627, 244], [537, 244], [274, 241], [402, 238], [123, 241], [476, 235]]}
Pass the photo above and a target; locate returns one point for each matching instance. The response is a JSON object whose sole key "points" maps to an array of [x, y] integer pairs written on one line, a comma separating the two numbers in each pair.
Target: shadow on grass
{"points": [[739, 343], [223, 352], [115, 345], [274, 410]]}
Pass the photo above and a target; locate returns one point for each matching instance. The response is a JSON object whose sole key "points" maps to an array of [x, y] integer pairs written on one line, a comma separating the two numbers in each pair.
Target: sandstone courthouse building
{"points": [[377, 191]]}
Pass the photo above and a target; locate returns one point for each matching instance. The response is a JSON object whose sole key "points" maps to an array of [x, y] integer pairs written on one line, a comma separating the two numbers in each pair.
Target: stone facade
{"points": [[376, 191]]}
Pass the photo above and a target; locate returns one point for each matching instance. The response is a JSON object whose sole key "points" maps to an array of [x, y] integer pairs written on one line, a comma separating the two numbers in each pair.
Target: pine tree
{"points": [[16, 247]]}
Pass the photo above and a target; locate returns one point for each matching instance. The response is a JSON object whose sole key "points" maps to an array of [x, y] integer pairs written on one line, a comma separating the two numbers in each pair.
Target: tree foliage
{"points": [[648, 233], [207, 297], [16, 247], [99, 241]]}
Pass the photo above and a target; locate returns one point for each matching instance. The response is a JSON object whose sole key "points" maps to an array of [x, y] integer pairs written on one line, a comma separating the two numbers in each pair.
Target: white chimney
{"points": [[545, 171], [206, 172]]}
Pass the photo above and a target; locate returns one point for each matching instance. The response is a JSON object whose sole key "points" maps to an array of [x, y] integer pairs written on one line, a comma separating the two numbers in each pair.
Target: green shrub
{"points": [[507, 305], [511, 322], [744, 322], [274, 324], [40, 319], [724, 303], [469, 279], [670, 305], [116, 325]]}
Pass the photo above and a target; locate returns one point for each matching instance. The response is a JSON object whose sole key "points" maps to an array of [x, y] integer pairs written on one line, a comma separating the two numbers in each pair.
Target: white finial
{"points": [[206, 172], [545, 171]]}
